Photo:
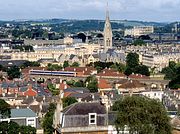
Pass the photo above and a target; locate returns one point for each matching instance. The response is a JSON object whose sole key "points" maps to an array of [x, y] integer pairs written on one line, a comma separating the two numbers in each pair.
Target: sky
{"points": [[145, 10]]}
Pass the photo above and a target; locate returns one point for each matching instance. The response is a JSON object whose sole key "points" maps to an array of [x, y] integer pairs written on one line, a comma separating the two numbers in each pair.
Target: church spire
{"points": [[107, 31]]}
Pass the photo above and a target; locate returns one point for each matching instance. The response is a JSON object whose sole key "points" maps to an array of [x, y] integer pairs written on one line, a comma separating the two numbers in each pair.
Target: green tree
{"points": [[27, 130], [141, 115], [54, 67], [68, 101], [79, 83], [169, 73], [48, 119], [132, 60], [13, 72], [92, 84], [66, 64], [175, 83], [14, 128], [5, 110], [119, 67], [142, 69], [53, 89], [30, 64], [75, 64], [139, 42]]}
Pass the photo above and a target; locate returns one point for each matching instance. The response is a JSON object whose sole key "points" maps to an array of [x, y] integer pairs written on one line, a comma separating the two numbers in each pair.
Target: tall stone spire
{"points": [[107, 32]]}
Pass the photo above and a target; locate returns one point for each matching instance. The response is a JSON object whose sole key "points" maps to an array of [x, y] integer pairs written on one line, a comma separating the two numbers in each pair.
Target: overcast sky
{"points": [[148, 10]]}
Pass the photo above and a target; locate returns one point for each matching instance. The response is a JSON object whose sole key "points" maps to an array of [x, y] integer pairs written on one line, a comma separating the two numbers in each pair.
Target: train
{"points": [[52, 73]]}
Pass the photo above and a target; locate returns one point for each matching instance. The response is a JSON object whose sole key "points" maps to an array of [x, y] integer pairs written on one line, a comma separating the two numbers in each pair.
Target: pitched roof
{"points": [[85, 108], [77, 89], [104, 84], [30, 92], [132, 84], [111, 73], [22, 113]]}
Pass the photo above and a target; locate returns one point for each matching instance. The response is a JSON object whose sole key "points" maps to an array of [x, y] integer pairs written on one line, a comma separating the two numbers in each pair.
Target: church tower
{"points": [[107, 32]]}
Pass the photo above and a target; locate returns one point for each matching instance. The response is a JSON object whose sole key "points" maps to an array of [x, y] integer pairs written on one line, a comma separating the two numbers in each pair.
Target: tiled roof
{"points": [[103, 84], [79, 69], [132, 84], [63, 86], [111, 73], [30, 92], [66, 94]]}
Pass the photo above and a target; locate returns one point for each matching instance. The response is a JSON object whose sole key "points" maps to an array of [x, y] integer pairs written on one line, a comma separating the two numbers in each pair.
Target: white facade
{"points": [[156, 94], [139, 30], [159, 61]]}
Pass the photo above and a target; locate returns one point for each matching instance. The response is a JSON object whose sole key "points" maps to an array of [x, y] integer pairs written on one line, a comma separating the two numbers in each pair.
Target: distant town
{"points": [[63, 76]]}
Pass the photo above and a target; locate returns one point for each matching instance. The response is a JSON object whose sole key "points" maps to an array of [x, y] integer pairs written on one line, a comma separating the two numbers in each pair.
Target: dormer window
{"points": [[92, 118]]}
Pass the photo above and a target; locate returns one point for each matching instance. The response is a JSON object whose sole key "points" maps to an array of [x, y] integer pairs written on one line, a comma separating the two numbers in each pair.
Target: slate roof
{"points": [[15, 113], [85, 109], [77, 89], [8, 63]]}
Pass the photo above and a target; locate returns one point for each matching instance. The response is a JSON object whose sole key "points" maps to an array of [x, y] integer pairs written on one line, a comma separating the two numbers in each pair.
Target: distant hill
{"points": [[67, 25]]}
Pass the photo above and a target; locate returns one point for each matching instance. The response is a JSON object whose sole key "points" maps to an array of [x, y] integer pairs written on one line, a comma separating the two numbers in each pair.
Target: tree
{"points": [[5, 110], [53, 89], [30, 64], [13, 72], [14, 128], [118, 66], [79, 83], [141, 115], [27, 130], [68, 101], [175, 83], [139, 42], [54, 67], [132, 60], [92, 84], [66, 64], [48, 119], [142, 69], [75, 64]]}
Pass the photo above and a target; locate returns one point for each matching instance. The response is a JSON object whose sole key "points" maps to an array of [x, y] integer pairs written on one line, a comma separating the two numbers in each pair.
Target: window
{"points": [[31, 122], [92, 118]]}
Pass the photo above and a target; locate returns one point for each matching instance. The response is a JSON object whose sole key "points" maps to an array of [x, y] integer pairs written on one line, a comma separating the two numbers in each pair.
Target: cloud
{"points": [[158, 10]]}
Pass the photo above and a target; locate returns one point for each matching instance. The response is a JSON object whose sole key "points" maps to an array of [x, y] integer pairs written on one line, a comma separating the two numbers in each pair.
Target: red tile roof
{"points": [[30, 92], [104, 84], [132, 84], [110, 73], [66, 94], [63, 86]]}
